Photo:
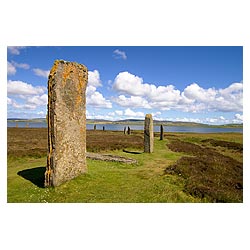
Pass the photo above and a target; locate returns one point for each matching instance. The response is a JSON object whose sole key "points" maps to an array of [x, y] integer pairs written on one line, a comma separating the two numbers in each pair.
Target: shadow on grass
{"points": [[132, 152], [35, 175]]}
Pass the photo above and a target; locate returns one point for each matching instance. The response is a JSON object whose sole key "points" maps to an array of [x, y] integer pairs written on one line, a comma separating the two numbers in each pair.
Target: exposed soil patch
{"points": [[208, 174]]}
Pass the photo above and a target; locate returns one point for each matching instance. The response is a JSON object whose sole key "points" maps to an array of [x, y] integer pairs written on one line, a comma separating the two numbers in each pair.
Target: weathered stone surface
{"points": [[148, 134], [66, 122], [107, 157]]}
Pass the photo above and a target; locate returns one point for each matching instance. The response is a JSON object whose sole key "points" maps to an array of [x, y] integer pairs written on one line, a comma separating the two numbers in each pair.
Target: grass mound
{"points": [[226, 144], [207, 173]]}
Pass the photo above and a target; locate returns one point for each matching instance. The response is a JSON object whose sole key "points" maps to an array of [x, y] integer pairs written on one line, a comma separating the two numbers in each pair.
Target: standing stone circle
{"points": [[148, 134], [66, 157]]}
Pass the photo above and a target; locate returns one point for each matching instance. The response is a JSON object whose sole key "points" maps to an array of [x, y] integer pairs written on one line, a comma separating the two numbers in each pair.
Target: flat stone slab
{"points": [[108, 157]]}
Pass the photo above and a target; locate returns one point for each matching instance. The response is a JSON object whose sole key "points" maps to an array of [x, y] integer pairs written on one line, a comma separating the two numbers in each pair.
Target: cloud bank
{"points": [[93, 97], [192, 99], [133, 98]]}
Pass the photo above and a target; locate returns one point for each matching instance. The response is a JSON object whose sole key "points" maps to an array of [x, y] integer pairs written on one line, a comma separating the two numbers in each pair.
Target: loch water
{"points": [[120, 127]]}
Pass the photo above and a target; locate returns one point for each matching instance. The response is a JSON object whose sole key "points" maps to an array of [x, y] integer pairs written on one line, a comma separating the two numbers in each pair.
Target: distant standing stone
{"points": [[124, 131], [95, 127], [103, 128], [129, 131], [162, 133], [148, 134], [66, 122]]}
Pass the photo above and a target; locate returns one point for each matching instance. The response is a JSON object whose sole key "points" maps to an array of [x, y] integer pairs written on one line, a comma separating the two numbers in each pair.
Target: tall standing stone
{"points": [[66, 122], [129, 130], [148, 134], [161, 133]]}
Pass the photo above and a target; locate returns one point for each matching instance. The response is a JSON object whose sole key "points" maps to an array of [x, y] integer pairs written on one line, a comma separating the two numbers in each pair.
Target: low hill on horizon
{"points": [[134, 122]]}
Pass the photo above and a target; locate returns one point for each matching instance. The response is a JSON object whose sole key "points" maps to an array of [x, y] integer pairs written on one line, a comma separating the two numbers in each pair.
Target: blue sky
{"points": [[199, 84]]}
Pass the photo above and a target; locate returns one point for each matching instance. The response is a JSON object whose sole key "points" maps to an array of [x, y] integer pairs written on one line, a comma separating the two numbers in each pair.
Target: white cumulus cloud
{"points": [[94, 78], [93, 97], [9, 101], [196, 93], [11, 70], [20, 65], [132, 114], [129, 84], [41, 72], [38, 100], [133, 101], [24, 106], [119, 112], [193, 98], [23, 88], [96, 99], [118, 54], [238, 118], [11, 67], [15, 50]]}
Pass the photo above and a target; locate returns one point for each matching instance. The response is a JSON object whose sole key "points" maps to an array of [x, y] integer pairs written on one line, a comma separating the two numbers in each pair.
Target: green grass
{"points": [[104, 181], [195, 173]]}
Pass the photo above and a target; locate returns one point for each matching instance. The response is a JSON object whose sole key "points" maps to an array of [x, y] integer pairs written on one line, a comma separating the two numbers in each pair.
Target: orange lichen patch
{"points": [[82, 131], [78, 100], [79, 91], [49, 155], [81, 87], [67, 71], [54, 67]]}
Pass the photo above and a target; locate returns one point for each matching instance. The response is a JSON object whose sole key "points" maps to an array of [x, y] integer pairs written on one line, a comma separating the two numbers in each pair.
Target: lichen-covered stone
{"points": [[148, 134], [66, 122]]}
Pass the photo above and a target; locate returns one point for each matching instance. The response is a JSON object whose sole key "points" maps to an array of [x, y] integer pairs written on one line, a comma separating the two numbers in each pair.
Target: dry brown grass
{"points": [[27, 142], [33, 141], [208, 173]]}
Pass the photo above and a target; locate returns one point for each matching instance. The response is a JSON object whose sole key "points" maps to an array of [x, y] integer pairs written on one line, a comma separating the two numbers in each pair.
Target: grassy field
{"points": [[184, 167]]}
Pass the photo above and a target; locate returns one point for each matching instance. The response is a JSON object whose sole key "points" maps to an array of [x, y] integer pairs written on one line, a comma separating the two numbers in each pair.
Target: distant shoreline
{"points": [[135, 122]]}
